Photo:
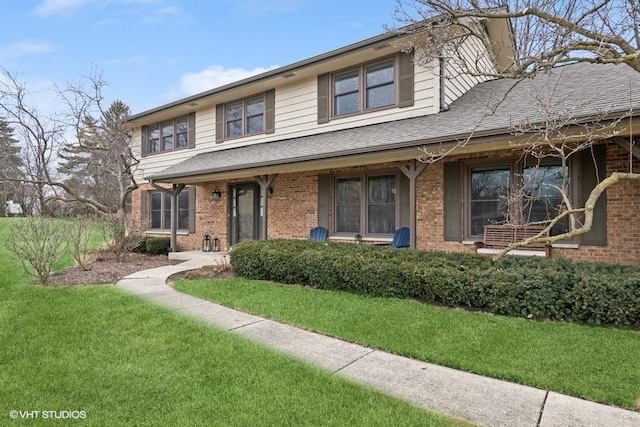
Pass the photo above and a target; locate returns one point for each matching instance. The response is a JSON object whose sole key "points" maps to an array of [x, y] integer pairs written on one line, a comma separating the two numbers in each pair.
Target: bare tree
{"points": [[10, 166], [544, 33], [40, 135], [81, 156]]}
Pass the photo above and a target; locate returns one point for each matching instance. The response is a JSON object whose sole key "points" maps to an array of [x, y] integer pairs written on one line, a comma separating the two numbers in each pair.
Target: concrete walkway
{"points": [[473, 397]]}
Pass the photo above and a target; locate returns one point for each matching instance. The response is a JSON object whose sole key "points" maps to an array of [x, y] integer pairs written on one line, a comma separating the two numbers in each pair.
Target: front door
{"points": [[245, 212]]}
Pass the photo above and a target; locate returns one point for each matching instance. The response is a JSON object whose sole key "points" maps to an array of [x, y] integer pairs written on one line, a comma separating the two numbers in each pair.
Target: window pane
{"points": [[234, 120], [381, 96], [182, 129], [156, 201], [183, 219], [255, 124], [542, 195], [486, 212], [154, 139], [347, 104], [346, 83], [255, 107], [348, 202], [380, 74], [183, 200], [381, 212], [489, 191], [167, 136], [156, 219]]}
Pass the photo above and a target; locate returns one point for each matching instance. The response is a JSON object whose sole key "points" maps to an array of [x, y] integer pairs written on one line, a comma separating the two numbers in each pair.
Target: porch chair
{"points": [[401, 238], [318, 234]]}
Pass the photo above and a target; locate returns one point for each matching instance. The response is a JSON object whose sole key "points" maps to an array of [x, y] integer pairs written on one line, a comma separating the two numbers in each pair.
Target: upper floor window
{"points": [[244, 117], [248, 116], [372, 86], [169, 135], [368, 87]]}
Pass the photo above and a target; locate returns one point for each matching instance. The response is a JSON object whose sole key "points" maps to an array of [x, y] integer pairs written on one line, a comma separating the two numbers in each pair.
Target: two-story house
{"points": [[333, 140]]}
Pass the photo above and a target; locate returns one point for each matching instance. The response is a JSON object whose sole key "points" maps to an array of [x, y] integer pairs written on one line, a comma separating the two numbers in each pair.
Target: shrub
{"points": [[529, 287], [39, 244], [158, 245]]}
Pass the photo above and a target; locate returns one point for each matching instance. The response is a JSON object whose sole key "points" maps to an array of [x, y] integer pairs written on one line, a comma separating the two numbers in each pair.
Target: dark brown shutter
{"points": [[324, 188], [452, 198], [323, 98], [144, 141], [406, 78], [192, 209], [144, 209], [192, 130], [219, 123], [590, 177], [270, 111]]}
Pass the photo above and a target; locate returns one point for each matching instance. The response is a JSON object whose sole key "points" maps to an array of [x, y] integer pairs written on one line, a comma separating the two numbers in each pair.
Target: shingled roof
{"points": [[490, 108]]}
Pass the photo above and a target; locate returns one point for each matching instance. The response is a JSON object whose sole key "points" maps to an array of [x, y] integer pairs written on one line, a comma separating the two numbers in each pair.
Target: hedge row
{"points": [[531, 287]]}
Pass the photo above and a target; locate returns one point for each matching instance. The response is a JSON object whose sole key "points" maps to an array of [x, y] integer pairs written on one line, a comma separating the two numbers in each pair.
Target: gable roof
{"points": [[491, 108]]}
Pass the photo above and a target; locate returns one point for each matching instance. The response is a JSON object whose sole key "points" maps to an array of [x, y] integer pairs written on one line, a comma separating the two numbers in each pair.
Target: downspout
{"points": [[443, 83]]}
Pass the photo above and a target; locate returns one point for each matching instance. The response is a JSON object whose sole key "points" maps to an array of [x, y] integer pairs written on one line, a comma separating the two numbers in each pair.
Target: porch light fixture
{"points": [[216, 194]]}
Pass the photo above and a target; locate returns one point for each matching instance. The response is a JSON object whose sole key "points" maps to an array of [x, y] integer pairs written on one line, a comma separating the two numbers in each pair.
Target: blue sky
{"points": [[156, 51]]}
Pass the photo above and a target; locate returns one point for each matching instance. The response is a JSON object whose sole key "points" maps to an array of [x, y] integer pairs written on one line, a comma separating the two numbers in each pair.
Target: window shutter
{"points": [[192, 209], [452, 199], [324, 188], [590, 177], [192, 130], [323, 98], [144, 210], [270, 111], [144, 141], [219, 123], [406, 78]]}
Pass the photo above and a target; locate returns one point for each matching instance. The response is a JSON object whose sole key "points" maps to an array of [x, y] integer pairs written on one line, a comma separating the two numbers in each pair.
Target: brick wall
{"points": [[292, 209]]}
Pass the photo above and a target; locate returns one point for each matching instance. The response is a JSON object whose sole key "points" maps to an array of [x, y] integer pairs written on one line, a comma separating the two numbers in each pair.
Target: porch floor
{"points": [[211, 258]]}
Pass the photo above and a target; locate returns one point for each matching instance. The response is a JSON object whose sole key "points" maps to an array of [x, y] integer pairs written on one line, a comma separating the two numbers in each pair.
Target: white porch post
{"points": [[265, 182]]}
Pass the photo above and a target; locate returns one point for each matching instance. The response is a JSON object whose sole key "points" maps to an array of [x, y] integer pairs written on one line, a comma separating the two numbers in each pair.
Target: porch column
{"points": [[177, 188], [412, 171], [265, 181]]}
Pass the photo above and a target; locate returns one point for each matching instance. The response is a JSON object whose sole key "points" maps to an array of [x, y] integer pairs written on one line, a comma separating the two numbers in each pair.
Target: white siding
{"points": [[295, 116]]}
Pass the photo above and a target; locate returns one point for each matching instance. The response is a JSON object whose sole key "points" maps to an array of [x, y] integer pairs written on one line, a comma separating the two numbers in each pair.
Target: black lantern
{"points": [[216, 244], [216, 194], [358, 238], [206, 243]]}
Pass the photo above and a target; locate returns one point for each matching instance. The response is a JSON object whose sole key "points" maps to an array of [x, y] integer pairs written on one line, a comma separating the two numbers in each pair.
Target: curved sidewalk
{"points": [[448, 391]]}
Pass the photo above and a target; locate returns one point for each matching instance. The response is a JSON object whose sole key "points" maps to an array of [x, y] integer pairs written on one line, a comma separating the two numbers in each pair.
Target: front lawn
{"points": [[595, 363], [124, 361]]}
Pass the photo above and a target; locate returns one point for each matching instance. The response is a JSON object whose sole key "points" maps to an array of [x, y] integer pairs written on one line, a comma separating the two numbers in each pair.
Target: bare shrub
{"points": [[80, 233], [120, 238], [39, 244]]}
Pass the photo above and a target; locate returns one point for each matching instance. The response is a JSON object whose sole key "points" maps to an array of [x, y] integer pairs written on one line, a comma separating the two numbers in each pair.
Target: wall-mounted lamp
{"points": [[269, 191], [216, 194], [358, 238]]}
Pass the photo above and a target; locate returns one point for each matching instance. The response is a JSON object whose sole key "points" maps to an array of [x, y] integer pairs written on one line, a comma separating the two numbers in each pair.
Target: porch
{"points": [[212, 258]]}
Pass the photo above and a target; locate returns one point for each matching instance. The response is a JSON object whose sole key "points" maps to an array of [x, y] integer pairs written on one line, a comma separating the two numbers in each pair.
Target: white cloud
{"points": [[52, 7], [215, 76], [23, 48], [161, 13]]}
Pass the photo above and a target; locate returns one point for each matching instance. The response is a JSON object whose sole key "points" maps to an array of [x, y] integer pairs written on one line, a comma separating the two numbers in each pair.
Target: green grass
{"points": [[595, 363], [127, 362]]}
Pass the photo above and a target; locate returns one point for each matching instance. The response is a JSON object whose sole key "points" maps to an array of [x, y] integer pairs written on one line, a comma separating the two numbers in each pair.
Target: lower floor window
{"points": [[366, 204], [515, 194], [160, 210]]}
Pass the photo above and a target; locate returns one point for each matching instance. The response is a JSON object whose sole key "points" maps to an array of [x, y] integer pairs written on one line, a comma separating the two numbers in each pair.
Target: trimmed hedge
{"points": [[158, 245], [531, 287]]}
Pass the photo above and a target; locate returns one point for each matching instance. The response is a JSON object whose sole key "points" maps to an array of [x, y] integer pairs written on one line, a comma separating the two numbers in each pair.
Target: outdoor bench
{"points": [[497, 237]]}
